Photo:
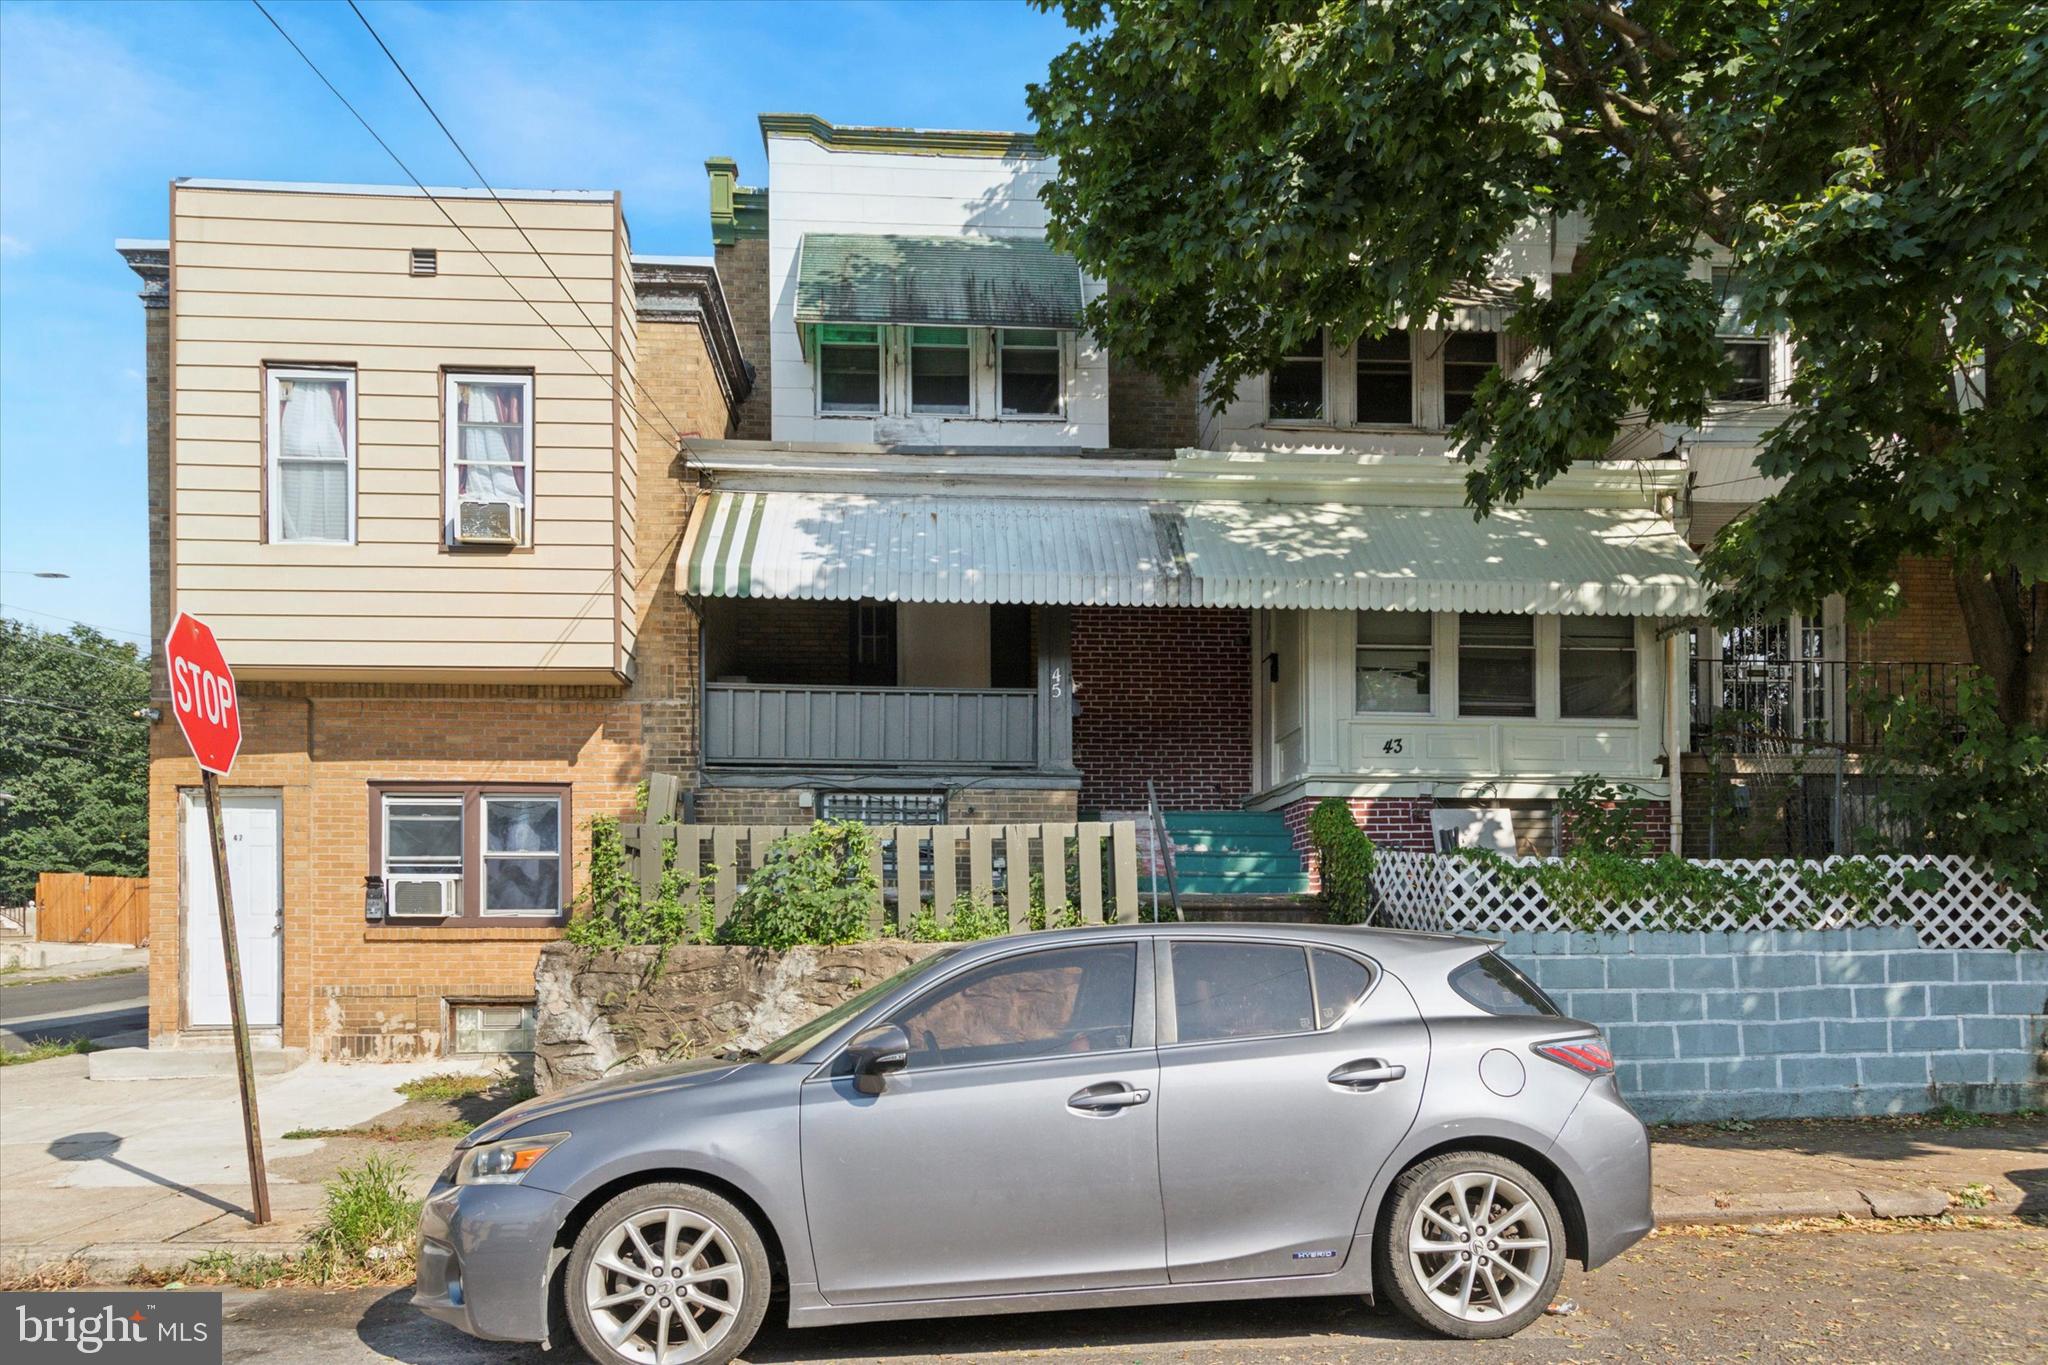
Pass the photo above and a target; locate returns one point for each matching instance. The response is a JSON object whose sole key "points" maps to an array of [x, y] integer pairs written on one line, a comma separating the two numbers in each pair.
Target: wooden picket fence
{"points": [[77, 907], [1090, 866]]}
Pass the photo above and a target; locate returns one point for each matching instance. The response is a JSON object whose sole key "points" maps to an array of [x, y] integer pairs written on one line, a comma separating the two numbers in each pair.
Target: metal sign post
{"points": [[203, 701]]}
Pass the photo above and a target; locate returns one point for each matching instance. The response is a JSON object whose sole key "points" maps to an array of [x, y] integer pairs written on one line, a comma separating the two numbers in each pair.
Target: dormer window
{"points": [[941, 370], [849, 368], [1747, 354], [1468, 358], [1386, 381], [1029, 372]]}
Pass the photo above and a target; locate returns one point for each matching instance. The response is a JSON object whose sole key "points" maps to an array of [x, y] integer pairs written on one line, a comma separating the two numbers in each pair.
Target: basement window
{"points": [[491, 1028]]}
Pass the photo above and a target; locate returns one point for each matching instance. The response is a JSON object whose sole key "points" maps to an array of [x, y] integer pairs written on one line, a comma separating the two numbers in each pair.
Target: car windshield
{"points": [[799, 1040]]}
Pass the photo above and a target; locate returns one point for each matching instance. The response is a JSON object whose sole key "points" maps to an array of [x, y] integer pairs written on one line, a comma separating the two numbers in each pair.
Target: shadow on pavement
{"points": [[99, 1146], [391, 1327]]}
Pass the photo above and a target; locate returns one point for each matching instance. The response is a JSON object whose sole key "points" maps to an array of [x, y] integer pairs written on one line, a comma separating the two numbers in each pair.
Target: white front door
{"points": [[253, 824]]}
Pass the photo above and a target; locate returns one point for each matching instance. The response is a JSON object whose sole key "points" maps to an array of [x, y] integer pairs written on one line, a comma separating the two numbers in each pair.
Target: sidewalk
{"points": [[127, 1173], [23, 963], [152, 1172]]}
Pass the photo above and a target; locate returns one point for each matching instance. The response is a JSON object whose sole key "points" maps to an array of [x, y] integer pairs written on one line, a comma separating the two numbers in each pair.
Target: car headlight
{"points": [[504, 1163]]}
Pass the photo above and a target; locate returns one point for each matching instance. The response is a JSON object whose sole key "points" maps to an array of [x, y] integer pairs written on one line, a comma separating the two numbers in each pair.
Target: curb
{"points": [[1732, 1210], [113, 1262]]}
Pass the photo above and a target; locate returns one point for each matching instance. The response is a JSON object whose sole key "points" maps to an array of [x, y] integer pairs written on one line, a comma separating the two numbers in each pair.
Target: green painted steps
{"points": [[1234, 853]]}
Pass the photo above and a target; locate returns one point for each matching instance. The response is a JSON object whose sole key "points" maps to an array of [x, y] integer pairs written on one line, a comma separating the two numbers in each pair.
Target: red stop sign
{"points": [[203, 693]]}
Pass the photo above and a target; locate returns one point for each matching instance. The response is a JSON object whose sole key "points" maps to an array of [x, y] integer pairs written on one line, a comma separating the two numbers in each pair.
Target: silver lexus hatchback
{"points": [[1077, 1119]]}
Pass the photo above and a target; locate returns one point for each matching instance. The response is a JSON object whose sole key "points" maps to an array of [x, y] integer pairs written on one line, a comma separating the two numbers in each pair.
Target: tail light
{"points": [[1587, 1056]]}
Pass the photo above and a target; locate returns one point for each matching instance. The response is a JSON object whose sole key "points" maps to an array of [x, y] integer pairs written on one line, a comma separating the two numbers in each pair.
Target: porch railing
{"points": [[1087, 871], [759, 724], [1756, 704]]}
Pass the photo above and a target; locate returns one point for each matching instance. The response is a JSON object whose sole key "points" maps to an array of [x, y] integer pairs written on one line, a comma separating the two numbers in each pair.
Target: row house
{"points": [[496, 518]]}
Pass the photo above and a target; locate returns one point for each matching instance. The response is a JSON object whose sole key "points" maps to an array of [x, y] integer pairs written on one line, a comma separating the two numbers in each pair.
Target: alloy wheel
{"points": [[1479, 1247], [665, 1286]]}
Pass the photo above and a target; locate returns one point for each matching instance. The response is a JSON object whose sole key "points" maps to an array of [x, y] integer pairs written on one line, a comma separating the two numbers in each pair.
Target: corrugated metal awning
{"points": [[938, 281], [1129, 552]]}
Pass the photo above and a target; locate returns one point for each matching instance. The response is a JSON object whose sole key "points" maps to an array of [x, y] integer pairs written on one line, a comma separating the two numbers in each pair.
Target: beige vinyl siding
{"points": [[323, 278], [628, 434]]}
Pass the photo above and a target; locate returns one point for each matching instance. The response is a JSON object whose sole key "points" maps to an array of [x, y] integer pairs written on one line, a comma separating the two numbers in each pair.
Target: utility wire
{"points": [[439, 122], [73, 620], [420, 185]]}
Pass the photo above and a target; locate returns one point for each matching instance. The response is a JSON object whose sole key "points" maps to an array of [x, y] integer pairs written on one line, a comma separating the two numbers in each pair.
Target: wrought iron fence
{"points": [[1758, 703]]}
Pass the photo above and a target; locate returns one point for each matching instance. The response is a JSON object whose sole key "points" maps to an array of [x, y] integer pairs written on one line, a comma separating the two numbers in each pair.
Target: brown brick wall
{"points": [[156, 346], [1927, 628], [1146, 411], [349, 987], [795, 644], [743, 273], [1165, 695]]}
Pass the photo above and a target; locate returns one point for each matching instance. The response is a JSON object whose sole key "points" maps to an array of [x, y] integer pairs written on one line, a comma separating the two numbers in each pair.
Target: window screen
{"points": [[1386, 381], [1496, 665], [1597, 667], [1030, 372], [1240, 990], [939, 371], [849, 368], [1393, 662], [1294, 391], [522, 854], [422, 836], [1467, 358]]}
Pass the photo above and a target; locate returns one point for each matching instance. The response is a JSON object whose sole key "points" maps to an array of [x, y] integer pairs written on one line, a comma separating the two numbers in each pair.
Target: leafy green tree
{"points": [[74, 758], [1246, 173]]}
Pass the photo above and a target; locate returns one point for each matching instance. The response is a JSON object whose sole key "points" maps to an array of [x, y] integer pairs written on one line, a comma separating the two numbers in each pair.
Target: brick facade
{"points": [[1927, 628], [350, 988], [743, 271], [1164, 695], [1146, 412]]}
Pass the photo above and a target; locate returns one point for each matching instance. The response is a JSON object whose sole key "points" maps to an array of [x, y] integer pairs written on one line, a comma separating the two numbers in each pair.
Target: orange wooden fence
{"points": [[76, 907]]}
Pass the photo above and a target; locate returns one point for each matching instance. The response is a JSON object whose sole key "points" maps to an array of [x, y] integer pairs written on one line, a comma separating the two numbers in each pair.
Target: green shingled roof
{"points": [[962, 281]]}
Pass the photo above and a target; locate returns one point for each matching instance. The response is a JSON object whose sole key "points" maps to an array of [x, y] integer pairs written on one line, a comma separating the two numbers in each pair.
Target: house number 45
{"points": [[1392, 746]]}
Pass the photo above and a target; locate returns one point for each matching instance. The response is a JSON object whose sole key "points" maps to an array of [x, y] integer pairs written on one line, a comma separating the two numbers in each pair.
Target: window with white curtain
{"points": [[522, 855], [490, 443], [312, 456]]}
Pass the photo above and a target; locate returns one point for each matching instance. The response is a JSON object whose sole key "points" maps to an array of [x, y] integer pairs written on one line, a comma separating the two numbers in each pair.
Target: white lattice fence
{"points": [[1965, 907]]}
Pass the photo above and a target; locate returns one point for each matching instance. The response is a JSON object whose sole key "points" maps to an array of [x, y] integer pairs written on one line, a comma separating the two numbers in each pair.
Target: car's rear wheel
{"points": [[1473, 1246], [667, 1274]]}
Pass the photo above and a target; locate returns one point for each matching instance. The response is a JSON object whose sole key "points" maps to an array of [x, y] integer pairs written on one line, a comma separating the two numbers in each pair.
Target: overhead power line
{"points": [[673, 426], [674, 433]]}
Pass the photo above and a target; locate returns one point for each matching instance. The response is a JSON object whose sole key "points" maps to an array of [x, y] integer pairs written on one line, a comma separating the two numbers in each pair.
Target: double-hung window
{"points": [[941, 376], [490, 445], [849, 368], [1496, 664], [470, 851], [1596, 658], [1028, 372], [1468, 358], [312, 456], [1294, 390], [1747, 354], [1385, 393], [1393, 662]]}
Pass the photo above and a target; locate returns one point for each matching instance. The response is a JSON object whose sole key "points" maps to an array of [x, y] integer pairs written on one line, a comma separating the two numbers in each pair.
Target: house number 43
{"points": [[1392, 746]]}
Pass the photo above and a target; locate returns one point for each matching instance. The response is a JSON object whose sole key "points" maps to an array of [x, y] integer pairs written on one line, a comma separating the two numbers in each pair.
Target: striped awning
{"points": [[1215, 553]]}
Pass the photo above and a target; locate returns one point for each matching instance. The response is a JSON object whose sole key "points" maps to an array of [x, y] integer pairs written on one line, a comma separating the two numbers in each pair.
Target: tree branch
{"points": [[1628, 28]]}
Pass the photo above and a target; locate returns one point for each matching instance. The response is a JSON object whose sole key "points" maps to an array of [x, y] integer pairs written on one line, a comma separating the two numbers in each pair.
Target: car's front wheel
{"points": [[1473, 1247], [666, 1274]]}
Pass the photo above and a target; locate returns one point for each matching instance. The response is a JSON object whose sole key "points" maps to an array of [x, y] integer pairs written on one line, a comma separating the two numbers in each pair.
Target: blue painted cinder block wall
{"points": [[1803, 1023]]}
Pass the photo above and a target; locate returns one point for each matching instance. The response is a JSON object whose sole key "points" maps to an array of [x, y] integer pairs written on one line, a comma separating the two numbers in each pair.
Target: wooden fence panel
{"points": [[1088, 852], [78, 907], [1124, 843], [945, 872], [1017, 874]]}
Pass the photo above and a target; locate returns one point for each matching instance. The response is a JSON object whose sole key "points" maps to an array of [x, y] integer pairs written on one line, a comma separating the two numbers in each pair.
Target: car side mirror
{"points": [[876, 1052]]}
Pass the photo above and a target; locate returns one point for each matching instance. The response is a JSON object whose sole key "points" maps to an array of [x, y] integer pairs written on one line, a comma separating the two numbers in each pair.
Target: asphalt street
{"points": [[1872, 1292], [79, 1007]]}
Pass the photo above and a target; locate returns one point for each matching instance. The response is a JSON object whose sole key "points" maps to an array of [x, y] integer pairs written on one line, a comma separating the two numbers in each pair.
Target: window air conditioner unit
{"points": [[422, 897], [487, 523]]}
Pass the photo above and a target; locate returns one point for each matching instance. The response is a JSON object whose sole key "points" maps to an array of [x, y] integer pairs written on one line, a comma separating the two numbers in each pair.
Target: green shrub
{"points": [[817, 886], [613, 912], [1347, 858], [972, 919], [369, 1224]]}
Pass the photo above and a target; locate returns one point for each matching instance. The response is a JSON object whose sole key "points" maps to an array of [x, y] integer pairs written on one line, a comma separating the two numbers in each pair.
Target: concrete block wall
{"points": [[1803, 1023]]}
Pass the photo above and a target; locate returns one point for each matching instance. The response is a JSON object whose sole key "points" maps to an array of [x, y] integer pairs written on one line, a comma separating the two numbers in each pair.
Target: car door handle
{"points": [[1367, 1074], [1108, 1098]]}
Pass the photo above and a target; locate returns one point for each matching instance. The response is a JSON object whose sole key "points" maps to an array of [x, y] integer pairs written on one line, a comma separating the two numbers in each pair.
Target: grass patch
{"points": [[448, 1085], [67, 1274], [366, 1235], [421, 1131], [42, 1049]]}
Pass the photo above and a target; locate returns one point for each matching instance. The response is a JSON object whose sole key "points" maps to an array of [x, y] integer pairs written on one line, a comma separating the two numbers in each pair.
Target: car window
{"points": [[1062, 1000], [1240, 990], [1495, 986], [1340, 980], [799, 1040]]}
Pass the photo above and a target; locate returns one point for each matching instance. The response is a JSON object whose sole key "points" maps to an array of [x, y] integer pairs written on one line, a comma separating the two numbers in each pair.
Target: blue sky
{"points": [[102, 104]]}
